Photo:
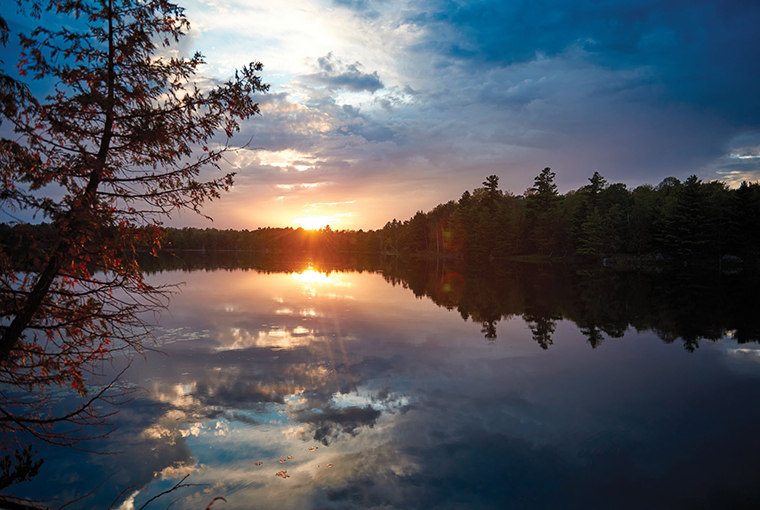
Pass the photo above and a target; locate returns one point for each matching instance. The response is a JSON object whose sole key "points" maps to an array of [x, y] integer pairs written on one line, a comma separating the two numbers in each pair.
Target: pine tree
{"points": [[117, 146], [541, 204], [684, 226]]}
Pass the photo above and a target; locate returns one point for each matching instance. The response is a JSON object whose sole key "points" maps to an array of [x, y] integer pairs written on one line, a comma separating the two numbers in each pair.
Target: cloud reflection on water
{"points": [[293, 367], [415, 410]]}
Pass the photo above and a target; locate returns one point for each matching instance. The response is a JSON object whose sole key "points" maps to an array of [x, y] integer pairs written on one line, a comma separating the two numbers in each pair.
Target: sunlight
{"points": [[311, 276], [286, 159], [314, 222]]}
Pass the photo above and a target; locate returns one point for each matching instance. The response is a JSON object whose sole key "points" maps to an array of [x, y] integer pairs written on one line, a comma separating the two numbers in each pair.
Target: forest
{"points": [[694, 222], [691, 223]]}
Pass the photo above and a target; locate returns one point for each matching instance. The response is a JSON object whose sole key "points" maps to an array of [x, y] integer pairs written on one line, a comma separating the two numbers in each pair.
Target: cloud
{"points": [[401, 105], [697, 51], [741, 161], [635, 90], [357, 5], [329, 423], [335, 74]]}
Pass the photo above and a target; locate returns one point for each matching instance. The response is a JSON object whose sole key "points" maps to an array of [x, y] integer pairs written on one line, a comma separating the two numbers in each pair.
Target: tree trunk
{"points": [[21, 321]]}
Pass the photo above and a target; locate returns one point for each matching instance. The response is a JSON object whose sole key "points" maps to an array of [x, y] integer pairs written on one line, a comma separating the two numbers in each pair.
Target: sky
{"points": [[378, 109]]}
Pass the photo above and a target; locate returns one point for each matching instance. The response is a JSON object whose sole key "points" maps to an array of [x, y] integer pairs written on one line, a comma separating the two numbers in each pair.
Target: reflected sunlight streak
{"points": [[313, 276]]}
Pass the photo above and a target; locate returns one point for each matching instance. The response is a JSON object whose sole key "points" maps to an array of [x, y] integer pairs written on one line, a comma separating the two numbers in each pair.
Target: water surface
{"points": [[559, 390]]}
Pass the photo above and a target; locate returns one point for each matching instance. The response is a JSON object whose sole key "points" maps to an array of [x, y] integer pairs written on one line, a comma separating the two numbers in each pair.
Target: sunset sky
{"points": [[378, 109]]}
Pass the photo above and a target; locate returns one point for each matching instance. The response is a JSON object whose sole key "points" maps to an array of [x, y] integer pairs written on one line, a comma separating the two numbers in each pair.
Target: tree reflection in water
{"points": [[304, 364], [677, 306], [686, 307]]}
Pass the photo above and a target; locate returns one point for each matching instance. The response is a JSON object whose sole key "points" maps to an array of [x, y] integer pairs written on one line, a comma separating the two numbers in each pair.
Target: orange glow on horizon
{"points": [[315, 222]]}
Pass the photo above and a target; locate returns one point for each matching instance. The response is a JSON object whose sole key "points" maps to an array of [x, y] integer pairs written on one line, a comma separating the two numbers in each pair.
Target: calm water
{"points": [[561, 390]]}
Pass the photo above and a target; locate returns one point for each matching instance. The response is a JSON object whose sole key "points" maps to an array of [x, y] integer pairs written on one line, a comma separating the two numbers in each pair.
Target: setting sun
{"points": [[314, 222]]}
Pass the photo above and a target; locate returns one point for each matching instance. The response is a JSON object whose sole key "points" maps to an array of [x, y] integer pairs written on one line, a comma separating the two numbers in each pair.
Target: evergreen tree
{"points": [[492, 184], [493, 193], [541, 218], [116, 147], [685, 233], [596, 185], [745, 215], [596, 234]]}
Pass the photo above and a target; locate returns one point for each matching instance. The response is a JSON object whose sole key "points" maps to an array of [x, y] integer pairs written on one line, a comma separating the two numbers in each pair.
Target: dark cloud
{"points": [[365, 8], [336, 74], [240, 417], [236, 393], [700, 52], [354, 122], [329, 424]]}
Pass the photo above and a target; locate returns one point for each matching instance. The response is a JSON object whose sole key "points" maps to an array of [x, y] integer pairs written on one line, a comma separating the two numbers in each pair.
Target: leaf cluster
{"points": [[124, 138]]}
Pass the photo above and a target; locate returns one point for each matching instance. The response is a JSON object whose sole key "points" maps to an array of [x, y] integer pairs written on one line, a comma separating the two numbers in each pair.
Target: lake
{"points": [[291, 387]]}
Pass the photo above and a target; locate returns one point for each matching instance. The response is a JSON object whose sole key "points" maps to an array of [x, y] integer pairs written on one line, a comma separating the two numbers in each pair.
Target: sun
{"points": [[314, 222]]}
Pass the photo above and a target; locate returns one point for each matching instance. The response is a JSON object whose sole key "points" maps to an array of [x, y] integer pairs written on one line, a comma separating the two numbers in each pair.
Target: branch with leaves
{"points": [[120, 142]]}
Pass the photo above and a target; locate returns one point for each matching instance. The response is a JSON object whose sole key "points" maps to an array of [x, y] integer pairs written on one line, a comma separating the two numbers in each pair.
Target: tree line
{"points": [[690, 222], [693, 222]]}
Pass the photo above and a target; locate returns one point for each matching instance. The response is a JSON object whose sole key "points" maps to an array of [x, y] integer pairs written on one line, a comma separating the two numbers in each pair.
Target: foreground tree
{"points": [[121, 141]]}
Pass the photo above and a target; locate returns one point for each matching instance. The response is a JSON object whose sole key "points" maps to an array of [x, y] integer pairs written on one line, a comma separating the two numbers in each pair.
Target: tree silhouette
{"points": [[685, 226], [542, 328], [492, 186], [118, 145], [541, 203], [596, 185], [491, 183]]}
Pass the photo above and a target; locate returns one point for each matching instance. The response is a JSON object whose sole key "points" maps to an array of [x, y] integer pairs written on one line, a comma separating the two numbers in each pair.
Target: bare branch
{"points": [[178, 486]]}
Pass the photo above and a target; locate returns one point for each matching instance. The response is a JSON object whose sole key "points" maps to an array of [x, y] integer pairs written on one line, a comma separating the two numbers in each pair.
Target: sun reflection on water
{"points": [[311, 275]]}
